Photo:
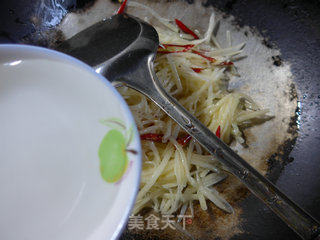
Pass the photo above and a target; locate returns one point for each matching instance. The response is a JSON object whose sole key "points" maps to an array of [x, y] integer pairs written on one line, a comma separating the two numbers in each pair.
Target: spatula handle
{"points": [[294, 216]]}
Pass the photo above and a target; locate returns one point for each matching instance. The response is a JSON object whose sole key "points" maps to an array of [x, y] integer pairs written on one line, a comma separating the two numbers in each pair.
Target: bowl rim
{"points": [[53, 54]]}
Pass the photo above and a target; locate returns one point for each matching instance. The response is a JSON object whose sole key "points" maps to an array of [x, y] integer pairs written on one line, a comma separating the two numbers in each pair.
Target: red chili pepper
{"points": [[218, 132], [152, 137], [226, 63], [186, 48], [184, 140], [185, 29], [204, 56], [122, 7], [197, 70]]}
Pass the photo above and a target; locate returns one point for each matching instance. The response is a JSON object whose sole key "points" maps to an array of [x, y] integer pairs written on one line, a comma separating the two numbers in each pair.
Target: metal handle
{"points": [[294, 216]]}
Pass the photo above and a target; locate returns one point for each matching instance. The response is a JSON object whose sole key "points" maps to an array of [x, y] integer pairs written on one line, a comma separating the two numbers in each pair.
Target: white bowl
{"points": [[55, 111]]}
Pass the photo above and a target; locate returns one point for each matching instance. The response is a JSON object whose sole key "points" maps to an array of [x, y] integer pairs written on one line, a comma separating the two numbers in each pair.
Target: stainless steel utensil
{"points": [[122, 49]]}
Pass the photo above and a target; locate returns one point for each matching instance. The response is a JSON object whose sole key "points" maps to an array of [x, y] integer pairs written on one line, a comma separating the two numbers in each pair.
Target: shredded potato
{"points": [[174, 174]]}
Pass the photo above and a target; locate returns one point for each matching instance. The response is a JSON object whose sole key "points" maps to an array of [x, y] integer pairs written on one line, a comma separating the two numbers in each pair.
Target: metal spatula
{"points": [[123, 49]]}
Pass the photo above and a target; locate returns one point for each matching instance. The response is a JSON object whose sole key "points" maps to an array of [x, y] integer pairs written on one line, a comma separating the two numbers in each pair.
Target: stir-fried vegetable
{"points": [[195, 69]]}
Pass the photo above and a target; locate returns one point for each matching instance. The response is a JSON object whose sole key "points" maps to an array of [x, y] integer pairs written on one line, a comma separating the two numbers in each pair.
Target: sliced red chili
{"points": [[204, 56], [185, 29], [122, 7], [218, 132], [152, 137], [226, 64], [186, 48], [197, 70], [184, 140]]}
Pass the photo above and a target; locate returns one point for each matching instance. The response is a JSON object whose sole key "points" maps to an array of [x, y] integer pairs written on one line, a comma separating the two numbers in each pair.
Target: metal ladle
{"points": [[123, 49]]}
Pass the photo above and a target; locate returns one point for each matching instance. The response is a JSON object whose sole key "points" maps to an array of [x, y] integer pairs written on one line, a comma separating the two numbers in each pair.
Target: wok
{"points": [[293, 27]]}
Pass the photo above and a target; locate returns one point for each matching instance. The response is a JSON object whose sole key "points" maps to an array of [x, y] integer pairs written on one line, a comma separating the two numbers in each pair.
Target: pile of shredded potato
{"points": [[176, 170]]}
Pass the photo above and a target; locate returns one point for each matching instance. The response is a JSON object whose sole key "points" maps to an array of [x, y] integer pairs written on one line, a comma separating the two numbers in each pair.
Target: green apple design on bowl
{"points": [[113, 150]]}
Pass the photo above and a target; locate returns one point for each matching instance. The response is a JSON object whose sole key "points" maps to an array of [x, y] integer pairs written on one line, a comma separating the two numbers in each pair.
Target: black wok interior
{"points": [[293, 26]]}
